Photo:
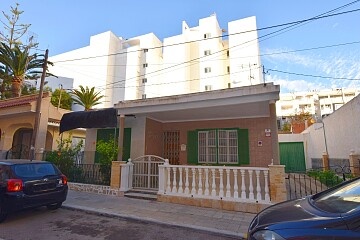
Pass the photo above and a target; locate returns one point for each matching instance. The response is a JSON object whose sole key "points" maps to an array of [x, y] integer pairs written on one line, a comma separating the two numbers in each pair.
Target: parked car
{"points": [[331, 214], [28, 184]]}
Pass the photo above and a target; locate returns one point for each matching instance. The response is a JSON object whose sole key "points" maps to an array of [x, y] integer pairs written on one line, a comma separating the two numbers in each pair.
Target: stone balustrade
{"points": [[241, 184]]}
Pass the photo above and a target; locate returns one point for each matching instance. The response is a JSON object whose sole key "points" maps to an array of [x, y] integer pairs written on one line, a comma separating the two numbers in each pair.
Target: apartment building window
{"points": [[208, 88], [229, 85], [228, 53], [207, 35], [207, 69], [146, 50], [143, 96], [145, 65], [207, 52], [228, 69], [144, 80]]}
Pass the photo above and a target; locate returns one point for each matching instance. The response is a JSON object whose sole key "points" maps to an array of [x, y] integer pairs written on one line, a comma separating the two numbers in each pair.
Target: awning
{"points": [[105, 118]]}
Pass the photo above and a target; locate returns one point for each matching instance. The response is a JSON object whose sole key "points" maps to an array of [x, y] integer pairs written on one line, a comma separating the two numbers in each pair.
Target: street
{"points": [[66, 224]]}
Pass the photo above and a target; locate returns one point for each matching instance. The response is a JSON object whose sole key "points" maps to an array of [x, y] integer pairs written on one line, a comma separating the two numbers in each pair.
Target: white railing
{"points": [[247, 184]]}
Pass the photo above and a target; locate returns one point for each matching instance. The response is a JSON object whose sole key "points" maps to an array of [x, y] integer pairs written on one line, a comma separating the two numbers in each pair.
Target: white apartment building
{"points": [[201, 58], [318, 103]]}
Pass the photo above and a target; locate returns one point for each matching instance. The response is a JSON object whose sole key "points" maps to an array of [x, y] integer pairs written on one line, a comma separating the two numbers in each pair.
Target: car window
{"points": [[343, 199], [34, 170]]}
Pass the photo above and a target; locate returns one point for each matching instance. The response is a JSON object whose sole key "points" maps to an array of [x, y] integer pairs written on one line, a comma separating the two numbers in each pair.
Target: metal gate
{"points": [[146, 172]]}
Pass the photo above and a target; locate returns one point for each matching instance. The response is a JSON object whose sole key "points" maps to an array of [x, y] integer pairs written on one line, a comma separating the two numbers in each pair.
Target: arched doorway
{"points": [[21, 144]]}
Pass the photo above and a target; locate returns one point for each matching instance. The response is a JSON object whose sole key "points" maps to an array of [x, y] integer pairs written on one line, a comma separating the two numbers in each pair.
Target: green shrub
{"points": [[64, 157], [327, 177], [108, 151]]}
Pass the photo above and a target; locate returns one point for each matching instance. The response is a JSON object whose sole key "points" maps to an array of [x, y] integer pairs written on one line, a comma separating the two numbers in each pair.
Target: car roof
{"points": [[19, 161]]}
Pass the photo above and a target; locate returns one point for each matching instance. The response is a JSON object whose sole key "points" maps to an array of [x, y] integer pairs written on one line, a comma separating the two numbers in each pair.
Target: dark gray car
{"points": [[28, 184]]}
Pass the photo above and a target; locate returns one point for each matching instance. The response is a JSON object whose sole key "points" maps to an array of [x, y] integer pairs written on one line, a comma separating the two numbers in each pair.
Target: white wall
{"points": [[245, 66], [137, 135]]}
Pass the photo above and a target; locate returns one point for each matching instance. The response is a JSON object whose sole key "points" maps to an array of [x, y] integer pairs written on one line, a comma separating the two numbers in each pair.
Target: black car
{"points": [[332, 214], [28, 184]]}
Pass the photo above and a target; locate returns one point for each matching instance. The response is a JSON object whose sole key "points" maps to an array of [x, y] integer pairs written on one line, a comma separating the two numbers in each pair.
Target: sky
{"points": [[288, 56]]}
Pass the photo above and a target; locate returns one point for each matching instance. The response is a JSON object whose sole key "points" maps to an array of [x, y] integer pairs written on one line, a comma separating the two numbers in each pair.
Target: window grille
{"points": [[218, 146]]}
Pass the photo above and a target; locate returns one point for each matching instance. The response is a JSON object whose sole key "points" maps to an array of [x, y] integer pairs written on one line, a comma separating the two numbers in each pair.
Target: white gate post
{"points": [[162, 177], [125, 183]]}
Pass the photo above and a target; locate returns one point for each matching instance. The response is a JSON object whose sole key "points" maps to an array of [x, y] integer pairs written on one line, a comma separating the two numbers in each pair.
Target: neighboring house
{"points": [[197, 60], [317, 103], [17, 117], [235, 126], [337, 136]]}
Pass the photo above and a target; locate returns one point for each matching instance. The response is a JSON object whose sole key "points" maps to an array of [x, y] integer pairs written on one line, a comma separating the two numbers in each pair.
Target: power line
{"points": [[317, 76], [224, 59], [222, 36]]}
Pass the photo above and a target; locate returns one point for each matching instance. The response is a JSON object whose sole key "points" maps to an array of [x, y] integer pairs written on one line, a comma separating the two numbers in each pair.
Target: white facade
{"points": [[320, 103], [338, 135], [201, 58]]}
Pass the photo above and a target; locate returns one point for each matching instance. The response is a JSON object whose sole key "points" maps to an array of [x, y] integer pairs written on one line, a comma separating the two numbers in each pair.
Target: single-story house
{"points": [[235, 126], [17, 119]]}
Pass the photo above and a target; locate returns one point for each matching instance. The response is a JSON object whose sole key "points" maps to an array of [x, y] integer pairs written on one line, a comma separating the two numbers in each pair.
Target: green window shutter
{"points": [[192, 147], [127, 144], [243, 141]]}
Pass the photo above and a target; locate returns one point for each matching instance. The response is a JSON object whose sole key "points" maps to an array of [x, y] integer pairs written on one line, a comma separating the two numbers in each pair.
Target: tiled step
{"points": [[142, 194]]}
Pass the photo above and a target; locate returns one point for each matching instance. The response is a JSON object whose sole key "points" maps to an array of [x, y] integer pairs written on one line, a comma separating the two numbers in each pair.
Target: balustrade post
{"points": [[168, 185], [206, 182], [180, 190], [243, 192], [200, 190], [228, 192], [193, 187], [236, 193], [221, 191], [213, 185], [267, 197], [251, 186], [187, 180], [173, 189], [258, 188]]}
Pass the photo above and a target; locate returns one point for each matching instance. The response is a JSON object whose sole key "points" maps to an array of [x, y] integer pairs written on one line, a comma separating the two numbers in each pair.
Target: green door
{"points": [[292, 156]]}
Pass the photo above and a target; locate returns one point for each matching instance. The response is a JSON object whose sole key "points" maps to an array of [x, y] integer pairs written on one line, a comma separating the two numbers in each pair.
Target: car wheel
{"points": [[54, 206]]}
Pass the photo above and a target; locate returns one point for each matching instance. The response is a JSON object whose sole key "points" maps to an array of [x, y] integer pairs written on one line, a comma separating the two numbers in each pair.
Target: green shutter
{"points": [[243, 141], [192, 147], [127, 144]]}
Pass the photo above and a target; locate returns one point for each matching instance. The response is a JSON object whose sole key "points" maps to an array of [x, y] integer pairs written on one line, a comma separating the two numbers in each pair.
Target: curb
{"points": [[110, 214]]}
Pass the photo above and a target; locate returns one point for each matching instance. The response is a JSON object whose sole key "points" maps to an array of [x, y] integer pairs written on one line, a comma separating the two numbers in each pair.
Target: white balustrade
{"points": [[247, 184]]}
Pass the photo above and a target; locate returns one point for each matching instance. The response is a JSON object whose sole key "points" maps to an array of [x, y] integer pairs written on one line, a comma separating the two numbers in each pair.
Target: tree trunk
{"points": [[16, 84]]}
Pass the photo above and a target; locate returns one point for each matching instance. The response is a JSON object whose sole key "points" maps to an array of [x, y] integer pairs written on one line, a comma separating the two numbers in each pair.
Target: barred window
{"points": [[218, 146]]}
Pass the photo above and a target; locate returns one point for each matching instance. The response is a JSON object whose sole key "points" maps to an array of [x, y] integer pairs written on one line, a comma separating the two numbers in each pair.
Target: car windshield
{"points": [[343, 199], [34, 170]]}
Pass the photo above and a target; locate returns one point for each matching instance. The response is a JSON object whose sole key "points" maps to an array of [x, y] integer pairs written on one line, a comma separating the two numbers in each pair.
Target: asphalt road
{"points": [[41, 224]]}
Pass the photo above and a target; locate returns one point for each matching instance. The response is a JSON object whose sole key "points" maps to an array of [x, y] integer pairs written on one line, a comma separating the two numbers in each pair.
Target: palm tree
{"points": [[86, 97], [19, 64]]}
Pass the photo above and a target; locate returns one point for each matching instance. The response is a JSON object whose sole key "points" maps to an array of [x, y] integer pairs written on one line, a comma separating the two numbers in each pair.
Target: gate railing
{"points": [[247, 184], [312, 181]]}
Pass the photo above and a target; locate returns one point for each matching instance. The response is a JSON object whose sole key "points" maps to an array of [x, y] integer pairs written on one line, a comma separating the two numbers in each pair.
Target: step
{"points": [[142, 194]]}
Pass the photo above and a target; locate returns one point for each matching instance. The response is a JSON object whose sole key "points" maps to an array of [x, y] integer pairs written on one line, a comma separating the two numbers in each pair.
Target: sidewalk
{"points": [[229, 223]]}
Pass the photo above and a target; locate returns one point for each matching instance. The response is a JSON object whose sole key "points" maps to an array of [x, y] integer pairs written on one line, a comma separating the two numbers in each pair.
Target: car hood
{"points": [[296, 214]]}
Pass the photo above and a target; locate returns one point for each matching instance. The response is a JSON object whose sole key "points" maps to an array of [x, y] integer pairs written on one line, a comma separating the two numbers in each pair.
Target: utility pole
{"points": [[60, 89], [263, 72], [38, 108]]}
